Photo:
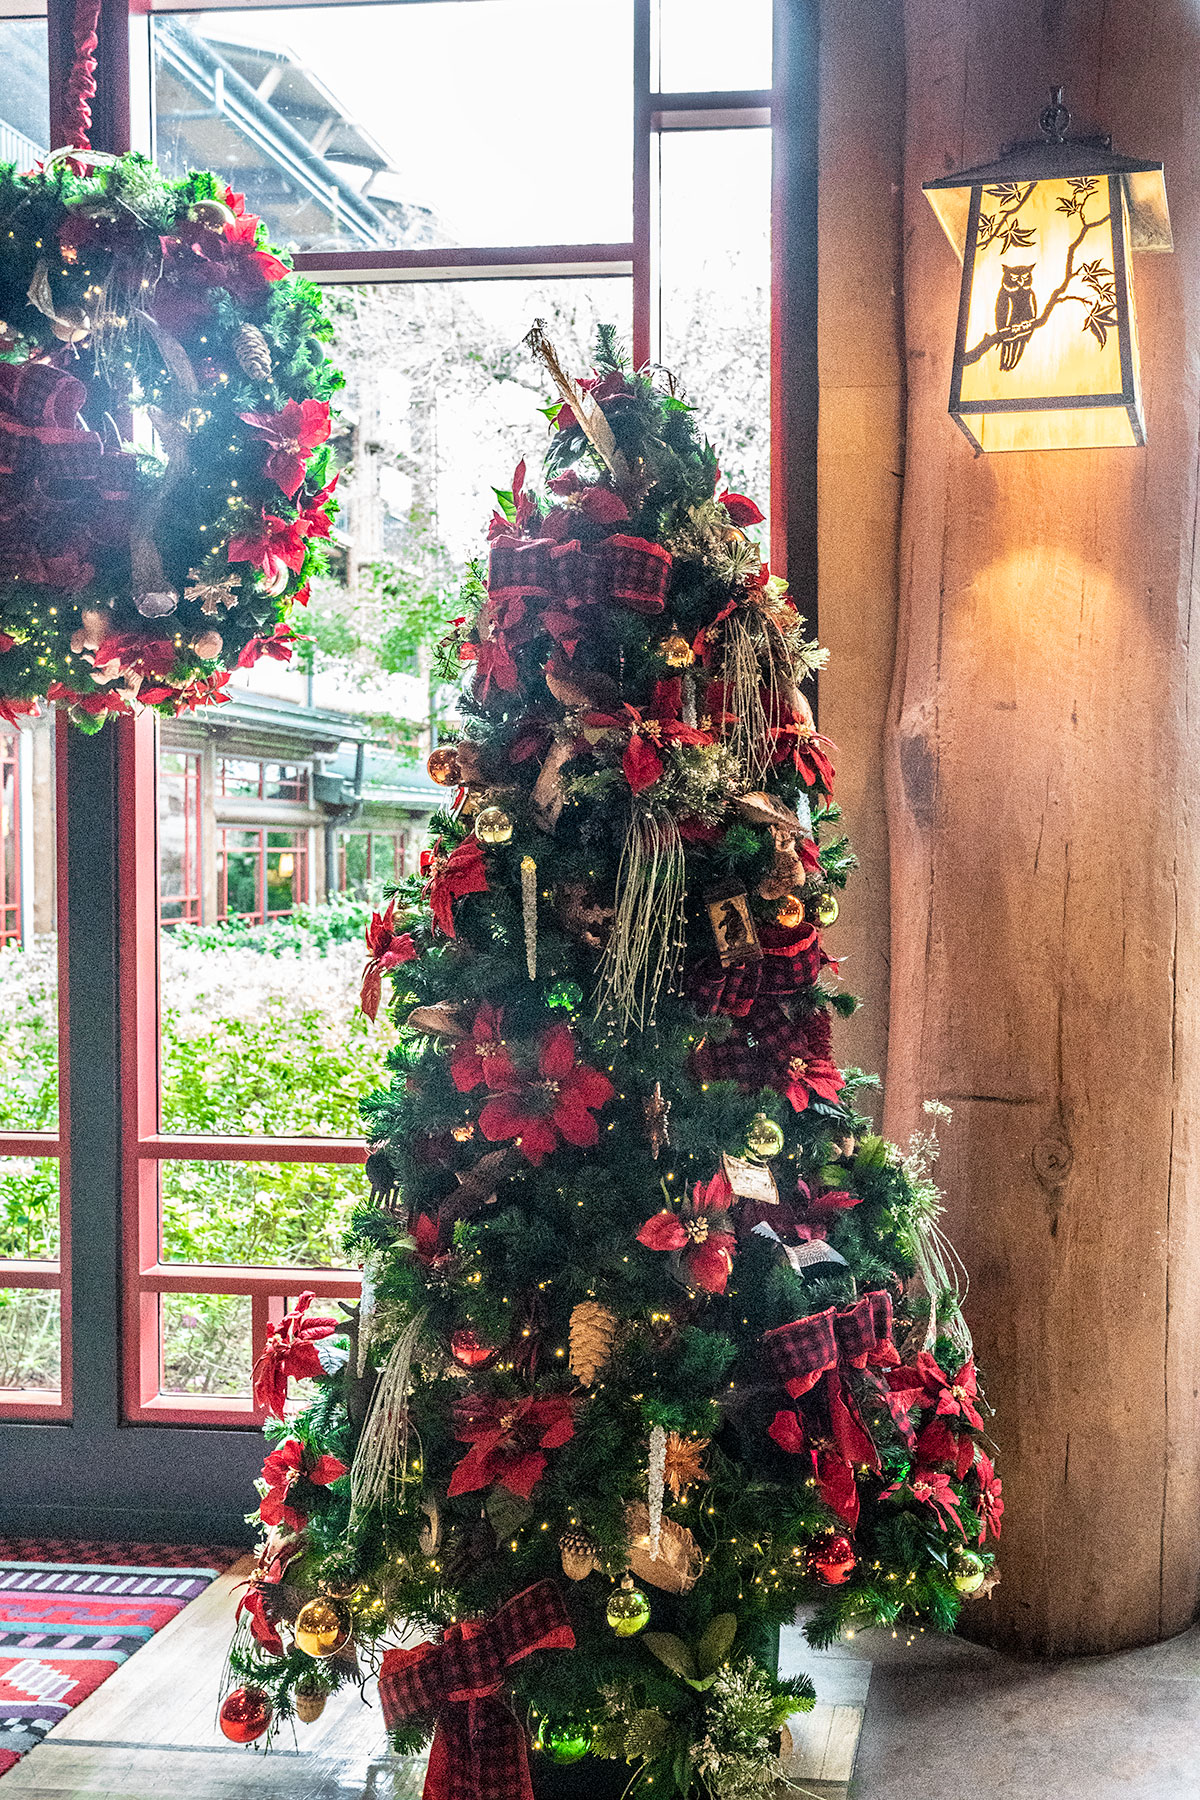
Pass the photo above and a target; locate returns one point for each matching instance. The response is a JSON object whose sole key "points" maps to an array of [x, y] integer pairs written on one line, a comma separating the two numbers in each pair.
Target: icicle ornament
{"points": [[657, 1484], [529, 900]]}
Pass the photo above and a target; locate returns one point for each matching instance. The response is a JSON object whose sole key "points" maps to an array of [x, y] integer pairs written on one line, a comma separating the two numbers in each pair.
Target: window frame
{"points": [[111, 1365]]}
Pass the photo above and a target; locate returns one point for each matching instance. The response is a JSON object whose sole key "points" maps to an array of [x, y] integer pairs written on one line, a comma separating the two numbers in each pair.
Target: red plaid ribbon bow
{"points": [[479, 1750], [631, 571], [814, 1346], [825, 1345], [40, 433]]}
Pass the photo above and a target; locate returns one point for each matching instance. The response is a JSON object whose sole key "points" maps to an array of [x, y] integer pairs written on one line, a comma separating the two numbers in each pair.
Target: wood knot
{"points": [[1052, 1157]]}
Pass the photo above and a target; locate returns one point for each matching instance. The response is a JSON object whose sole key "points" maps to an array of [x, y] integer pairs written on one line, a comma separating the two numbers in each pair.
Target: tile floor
{"points": [[947, 1720], [940, 1720]]}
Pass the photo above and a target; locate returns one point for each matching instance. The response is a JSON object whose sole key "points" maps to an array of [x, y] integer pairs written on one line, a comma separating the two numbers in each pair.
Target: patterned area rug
{"points": [[66, 1625]]}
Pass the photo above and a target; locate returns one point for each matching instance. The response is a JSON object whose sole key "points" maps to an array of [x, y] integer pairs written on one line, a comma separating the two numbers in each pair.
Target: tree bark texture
{"points": [[1043, 792]]}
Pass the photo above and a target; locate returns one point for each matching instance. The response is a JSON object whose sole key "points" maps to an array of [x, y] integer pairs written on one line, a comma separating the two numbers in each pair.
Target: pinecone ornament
{"points": [[253, 355], [310, 1704], [580, 1554], [593, 1330]]}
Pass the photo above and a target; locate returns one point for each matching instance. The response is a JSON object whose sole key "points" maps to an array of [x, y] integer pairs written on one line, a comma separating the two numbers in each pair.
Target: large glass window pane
{"points": [[714, 290], [28, 1209], [205, 1343], [179, 835], [24, 92], [707, 45], [28, 944], [30, 1340], [264, 1214], [261, 1033], [408, 124]]}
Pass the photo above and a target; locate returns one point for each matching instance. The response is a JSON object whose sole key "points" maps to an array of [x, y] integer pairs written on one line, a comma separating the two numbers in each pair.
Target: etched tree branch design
{"points": [[1096, 277]]}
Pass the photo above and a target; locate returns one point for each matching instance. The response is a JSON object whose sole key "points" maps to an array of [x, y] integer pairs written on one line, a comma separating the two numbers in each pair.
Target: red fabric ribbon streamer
{"points": [[821, 1346], [479, 1750]]}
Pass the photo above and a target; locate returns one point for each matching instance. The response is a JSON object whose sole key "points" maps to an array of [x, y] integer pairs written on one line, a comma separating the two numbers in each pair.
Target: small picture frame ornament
{"points": [[732, 923]]}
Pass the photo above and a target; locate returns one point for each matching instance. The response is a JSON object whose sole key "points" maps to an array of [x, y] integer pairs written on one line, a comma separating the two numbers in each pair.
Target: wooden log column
{"points": [[1044, 801]]}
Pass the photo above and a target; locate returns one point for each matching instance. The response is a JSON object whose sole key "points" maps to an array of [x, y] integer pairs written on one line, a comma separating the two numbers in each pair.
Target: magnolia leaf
{"points": [[672, 1651], [716, 1643], [507, 1512], [702, 1683]]}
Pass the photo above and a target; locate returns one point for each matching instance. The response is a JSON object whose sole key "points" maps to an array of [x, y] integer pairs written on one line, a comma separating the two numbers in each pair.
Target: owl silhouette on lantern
{"points": [[1015, 306]]}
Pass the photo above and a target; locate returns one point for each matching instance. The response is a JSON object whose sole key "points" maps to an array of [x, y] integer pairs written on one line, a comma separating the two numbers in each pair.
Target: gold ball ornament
{"points": [[791, 911], [443, 767], [462, 1134], [677, 653], [764, 1138], [323, 1626], [493, 826], [825, 910], [628, 1611], [968, 1571]]}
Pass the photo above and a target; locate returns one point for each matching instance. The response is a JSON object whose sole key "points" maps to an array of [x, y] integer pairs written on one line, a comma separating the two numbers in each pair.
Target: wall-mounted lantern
{"points": [[1046, 356]]}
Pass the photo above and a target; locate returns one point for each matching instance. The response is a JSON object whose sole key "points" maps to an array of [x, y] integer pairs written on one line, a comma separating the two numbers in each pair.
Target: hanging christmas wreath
{"points": [[165, 475]]}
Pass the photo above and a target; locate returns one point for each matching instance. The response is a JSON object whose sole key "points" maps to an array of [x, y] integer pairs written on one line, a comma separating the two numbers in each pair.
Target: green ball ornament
{"points": [[826, 911], [564, 1744], [968, 1571], [629, 1610], [567, 994], [764, 1138]]}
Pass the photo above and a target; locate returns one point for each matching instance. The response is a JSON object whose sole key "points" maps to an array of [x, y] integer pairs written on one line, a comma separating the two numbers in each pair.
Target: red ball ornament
{"points": [[833, 1560], [468, 1352], [245, 1714]]}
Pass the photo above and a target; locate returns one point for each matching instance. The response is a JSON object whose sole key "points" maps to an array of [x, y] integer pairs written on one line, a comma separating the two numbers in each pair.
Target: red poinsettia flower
{"points": [[509, 1440], [483, 1057], [698, 1234], [426, 1241], [952, 1397], [278, 647], [740, 508], [288, 1464], [290, 1351], [535, 1110], [263, 1629], [787, 1429], [13, 710], [811, 1075], [293, 435], [316, 517], [931, 1487], [276, 548], [388, 948], [206, 690], [462, 873], [991, 1502], [937, 1442], [6, 642], [808, 754], [242, 236]]}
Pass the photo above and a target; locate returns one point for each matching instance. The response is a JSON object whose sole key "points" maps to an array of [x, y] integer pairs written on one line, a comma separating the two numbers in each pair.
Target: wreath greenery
{"points": [[165, 475]]}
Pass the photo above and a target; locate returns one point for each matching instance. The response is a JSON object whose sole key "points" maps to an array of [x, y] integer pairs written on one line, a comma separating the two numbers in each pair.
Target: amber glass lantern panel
{"points": [[1046, 356]]}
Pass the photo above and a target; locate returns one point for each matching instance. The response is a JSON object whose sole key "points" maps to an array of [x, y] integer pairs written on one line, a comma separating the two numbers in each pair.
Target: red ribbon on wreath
{"points": [[40, 433], [479, 1750]]}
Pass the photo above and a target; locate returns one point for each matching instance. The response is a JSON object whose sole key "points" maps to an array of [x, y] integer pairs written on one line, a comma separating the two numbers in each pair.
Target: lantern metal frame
{"points": [[1139, 221]]}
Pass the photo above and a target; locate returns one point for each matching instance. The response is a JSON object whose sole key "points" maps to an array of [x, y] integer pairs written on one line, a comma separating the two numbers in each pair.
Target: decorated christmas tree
{"points": [[657, 1340]]}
